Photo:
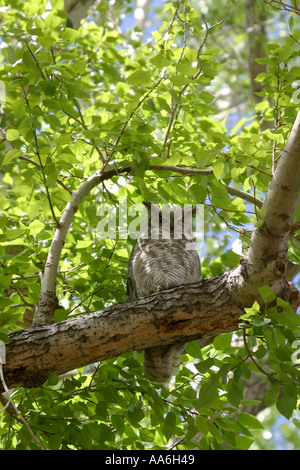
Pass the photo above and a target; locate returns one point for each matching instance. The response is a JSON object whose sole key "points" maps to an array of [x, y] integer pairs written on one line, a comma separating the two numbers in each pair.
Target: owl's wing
{"points": [[131, 283], [131, 288]]}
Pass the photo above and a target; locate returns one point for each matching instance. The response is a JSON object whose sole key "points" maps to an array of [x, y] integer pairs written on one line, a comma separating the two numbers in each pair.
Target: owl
{"points": [[163, 257]]}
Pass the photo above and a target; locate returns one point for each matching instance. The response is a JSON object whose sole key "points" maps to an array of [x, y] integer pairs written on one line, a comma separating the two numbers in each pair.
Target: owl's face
{"points": [[167, 224]]}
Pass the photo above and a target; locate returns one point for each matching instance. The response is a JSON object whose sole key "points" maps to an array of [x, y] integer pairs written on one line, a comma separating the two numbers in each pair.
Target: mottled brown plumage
{"points": [[162, 258]]}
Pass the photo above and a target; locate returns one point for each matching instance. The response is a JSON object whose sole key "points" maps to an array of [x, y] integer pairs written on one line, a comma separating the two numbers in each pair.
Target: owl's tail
{"points": [[163, 362]]}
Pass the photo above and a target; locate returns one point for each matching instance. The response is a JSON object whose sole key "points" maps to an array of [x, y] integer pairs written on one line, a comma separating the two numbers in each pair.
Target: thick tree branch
{"points": [[47, 301], [181, 314]]}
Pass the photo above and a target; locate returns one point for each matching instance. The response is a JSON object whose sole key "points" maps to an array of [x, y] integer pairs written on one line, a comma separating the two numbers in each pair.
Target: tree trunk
{"points": [[76, 10]]}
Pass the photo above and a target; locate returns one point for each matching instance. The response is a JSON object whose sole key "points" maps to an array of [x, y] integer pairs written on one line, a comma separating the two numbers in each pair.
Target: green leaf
{"points": [[168, 426], [251, 312], [194, 350], [198, 193], [207, 395], [286, 406], [244, 442], [119, 423], [4, 338], [46, 41], [249, 421], [52, 20], [11, 155], [206, 97], [287, 317], [52, 379], [12, 134], [222, 341], [202, 425], [69, 34], [261, 77], [296, 422], [204, 366], [160, 60], [4, 203], [35, 227], [61, 195], [3, 221], [5, 281], [103, 433], [235, 393], [267, 294], [140, 77], [63, 139], [220, 197], [218, 170], [287, 403], [49, 88], [227, 424], [146, 435], [60, 314], [101, 410], [135, 415]]}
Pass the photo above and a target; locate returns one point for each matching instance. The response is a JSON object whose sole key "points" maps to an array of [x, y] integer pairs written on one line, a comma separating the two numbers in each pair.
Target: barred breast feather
{"points": [[159, 262]]}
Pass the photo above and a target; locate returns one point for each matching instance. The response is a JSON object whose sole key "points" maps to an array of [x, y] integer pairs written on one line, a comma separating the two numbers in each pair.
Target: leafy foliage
{"points": [[79, 100]]}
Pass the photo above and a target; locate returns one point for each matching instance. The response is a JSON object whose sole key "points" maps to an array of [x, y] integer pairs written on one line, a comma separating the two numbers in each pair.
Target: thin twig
{"points": [[41, 166], [43, 175], [114, 147], [282, 6], [10, 401], [175, 108], [85, 127], [35, 60], [64, 186], [22, 157], [251, 356]]}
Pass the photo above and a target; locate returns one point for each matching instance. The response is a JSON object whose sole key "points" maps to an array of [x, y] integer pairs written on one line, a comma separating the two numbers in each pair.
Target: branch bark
{"points": [[180, 314], [271, 240], [47, 301]]}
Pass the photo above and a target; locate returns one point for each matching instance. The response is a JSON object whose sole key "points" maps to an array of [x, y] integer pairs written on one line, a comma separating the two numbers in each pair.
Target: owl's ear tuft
{"points": [[148, 204], [152, 208]]}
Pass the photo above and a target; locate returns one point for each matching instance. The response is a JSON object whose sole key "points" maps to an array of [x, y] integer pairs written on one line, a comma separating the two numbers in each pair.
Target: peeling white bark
{"points": [[47, 301], [271, 240]]}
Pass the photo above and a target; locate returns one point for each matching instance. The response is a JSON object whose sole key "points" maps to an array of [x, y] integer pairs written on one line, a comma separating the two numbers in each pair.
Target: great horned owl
{"points": [[163, 257]]}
